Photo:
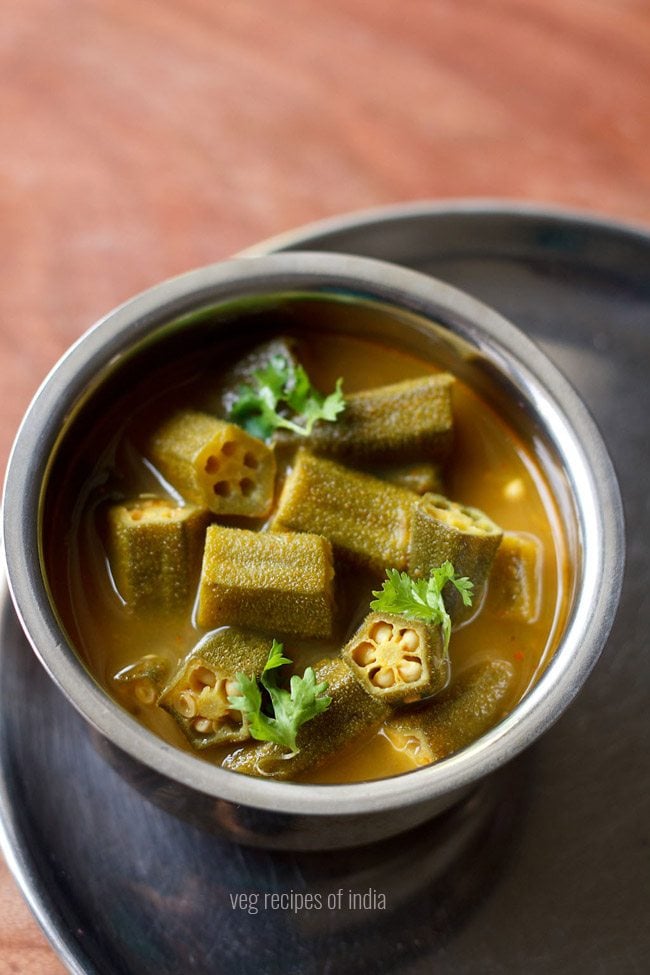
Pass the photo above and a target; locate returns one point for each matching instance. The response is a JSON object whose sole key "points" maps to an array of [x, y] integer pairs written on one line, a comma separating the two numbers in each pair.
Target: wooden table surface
{"points": [[144, 138]]}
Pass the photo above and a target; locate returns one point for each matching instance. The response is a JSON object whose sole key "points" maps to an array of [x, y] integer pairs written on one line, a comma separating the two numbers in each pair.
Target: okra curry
{"points": [[311, 557]]}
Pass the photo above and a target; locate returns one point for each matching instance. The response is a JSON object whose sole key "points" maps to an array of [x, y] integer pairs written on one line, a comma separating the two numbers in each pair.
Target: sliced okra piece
{"points": [[214, 464], [143, 680], [404, 421], [154, 550], [445, 530], [281, 583], [197, 695], [367, 520], [398, 660], [352, 713], [514, 586], [472, 705], [423, 478]]}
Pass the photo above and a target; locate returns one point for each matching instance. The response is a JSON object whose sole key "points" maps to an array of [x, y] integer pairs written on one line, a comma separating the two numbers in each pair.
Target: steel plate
{"points": [[544, 869]]}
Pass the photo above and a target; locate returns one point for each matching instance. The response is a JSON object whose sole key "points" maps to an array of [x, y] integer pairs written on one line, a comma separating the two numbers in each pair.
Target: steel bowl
{"points": [[432, 320]]}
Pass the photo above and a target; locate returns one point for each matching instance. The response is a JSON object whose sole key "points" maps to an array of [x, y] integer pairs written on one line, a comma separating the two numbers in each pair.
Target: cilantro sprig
{"points": [[422, 599], [282, 396], [291, 709]]}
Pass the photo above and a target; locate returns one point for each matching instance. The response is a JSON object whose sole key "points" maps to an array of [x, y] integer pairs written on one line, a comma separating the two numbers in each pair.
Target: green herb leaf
{"points": [[276, 658], [291, 709], [421, 599], [283, 397]]}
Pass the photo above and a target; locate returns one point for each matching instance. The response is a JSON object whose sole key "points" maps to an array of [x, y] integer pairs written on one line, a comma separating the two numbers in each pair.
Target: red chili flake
{"points": [[518, 655]]}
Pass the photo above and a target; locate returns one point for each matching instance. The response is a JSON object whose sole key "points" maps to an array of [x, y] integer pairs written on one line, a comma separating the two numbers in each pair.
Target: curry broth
{"points": [[489, 468]]}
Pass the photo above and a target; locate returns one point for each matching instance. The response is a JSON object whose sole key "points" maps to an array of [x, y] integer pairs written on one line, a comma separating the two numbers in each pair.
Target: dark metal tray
{"points": [[545, 869]]}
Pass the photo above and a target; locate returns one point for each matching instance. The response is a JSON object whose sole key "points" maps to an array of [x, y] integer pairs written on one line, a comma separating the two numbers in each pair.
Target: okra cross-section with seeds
{"points": [[197, 695], [368, 521], [515, 579], [214, 464], [444, 530], [351, 714], [154, 550], [143, 680], [475, 702], [407, 420], [279, 583], [398, 660]]}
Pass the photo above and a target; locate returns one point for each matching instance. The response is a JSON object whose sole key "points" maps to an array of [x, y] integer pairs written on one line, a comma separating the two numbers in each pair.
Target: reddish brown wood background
{"points": [[141, 138]]}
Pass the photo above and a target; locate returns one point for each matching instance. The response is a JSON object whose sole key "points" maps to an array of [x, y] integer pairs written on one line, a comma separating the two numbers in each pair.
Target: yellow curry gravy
{"points": [[490, 468]]}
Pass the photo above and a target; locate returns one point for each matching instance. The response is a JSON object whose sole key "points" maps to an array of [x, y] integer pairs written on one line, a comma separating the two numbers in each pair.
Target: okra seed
{"points": [[136, 515], [460, 519], [145, 692], [211, 464], [385, 678], [203, 725], [410, 671], [205, 676], [186, 704], [364, 654], [251, 461], [222, 488], [228, 448], [381, 632], [410, 640]]}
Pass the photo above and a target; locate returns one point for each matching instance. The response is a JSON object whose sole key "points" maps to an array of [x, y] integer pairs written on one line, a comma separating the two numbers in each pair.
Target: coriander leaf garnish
{"points": [[291, 709], [421, 599], [282, 396]]}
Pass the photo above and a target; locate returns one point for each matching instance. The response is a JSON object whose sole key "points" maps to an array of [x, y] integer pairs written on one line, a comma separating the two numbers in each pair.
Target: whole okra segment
{"points": [[214, 464], [143, 680], [515, 584], [458, 716], [404, 421], [367, 520], [280, 583], [154, 550], [444, 530], [398, 660], [351, 713], [197, 695]]}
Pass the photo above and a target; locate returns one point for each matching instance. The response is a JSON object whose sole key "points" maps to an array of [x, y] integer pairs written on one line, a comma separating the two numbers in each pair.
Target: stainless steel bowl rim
{"points": [[564, 415]]}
